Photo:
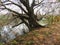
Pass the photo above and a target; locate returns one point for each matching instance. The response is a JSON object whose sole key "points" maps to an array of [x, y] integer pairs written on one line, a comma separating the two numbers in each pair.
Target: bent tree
{"points": [[28, 11]]}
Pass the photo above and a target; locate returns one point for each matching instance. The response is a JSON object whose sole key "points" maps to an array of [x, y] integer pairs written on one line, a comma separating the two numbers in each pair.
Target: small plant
{"points": [[31, 42], [14, 42], [1, 43]]}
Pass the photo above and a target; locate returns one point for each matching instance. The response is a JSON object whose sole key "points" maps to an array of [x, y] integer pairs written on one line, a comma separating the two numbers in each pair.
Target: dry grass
{"points": [[41, 36], [5, 19]]}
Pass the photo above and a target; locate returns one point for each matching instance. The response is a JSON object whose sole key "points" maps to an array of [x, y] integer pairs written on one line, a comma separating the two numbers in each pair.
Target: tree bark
{"points": [[32, 18], [32, 22]]}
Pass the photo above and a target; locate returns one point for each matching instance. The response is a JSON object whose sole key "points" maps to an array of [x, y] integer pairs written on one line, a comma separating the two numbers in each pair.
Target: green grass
{"points": [[1, 43]]}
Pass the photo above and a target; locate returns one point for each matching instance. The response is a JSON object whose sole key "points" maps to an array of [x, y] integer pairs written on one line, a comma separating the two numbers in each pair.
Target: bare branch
{"points": [[38, 4], [18, 14], [16, 5], [19, 6], [25, 2], [17, 25], [33, 3]]}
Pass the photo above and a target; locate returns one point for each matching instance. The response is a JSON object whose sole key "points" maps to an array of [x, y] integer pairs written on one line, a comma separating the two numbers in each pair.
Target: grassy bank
{"points": [[41, 36]]}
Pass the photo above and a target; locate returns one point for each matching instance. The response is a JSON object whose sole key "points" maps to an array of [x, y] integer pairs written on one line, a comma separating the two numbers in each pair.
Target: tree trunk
{"points": [[32, 22], [32, 18]]}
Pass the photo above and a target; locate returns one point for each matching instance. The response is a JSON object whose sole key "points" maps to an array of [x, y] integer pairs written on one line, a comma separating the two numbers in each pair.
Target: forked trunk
{"points": [[32, 21]]}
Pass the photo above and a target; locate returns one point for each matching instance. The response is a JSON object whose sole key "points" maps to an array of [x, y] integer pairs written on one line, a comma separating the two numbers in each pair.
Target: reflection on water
{"points": [[8, 33]]}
